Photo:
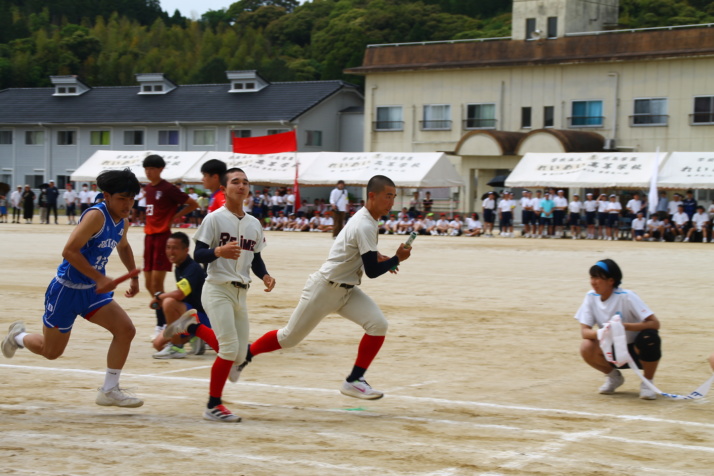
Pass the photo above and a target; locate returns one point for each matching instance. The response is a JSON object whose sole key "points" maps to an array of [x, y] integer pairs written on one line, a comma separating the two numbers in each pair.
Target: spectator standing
{"points": [[560, 207], [16, 203], [70, 202], [338, 201], [85, 199], [28, 204], [590, 207], [690, 204], [52, 194], [602, 204], [574, 209], [427, 203]]}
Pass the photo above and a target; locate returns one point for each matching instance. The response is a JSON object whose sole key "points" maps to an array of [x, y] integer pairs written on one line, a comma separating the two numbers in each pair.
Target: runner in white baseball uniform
{"points": [[230, 241], [335, 289]]}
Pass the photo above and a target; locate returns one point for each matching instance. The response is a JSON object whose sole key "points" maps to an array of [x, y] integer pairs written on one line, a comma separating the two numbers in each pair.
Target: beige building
{"points": [[489, 102]]}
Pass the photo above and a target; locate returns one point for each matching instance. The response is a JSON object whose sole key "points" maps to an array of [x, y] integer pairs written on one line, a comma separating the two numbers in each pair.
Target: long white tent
{"points": [[407, 169], [685, 170], [586, 170]]}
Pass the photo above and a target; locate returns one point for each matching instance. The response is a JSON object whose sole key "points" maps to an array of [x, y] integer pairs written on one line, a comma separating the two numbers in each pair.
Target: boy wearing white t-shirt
{"points": [[700, 224], [606, 300], [638, 227]]}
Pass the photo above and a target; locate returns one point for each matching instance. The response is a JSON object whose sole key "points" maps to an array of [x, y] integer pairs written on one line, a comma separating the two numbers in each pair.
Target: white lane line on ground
{"points": [[441, 401], [551, 447], [188, 369]]}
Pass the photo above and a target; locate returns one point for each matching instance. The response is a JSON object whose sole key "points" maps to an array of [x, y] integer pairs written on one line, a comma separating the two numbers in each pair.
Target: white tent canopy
{"points": [[586, 170], [406, 169], [177, 164], [684, 170]]}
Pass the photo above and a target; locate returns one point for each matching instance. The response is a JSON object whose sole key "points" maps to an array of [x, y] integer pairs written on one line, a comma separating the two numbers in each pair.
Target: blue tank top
{"points": [[96, 250]]}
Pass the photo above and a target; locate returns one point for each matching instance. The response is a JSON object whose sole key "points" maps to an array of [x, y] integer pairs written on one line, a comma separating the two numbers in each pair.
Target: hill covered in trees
{"points": [[106, 42]]}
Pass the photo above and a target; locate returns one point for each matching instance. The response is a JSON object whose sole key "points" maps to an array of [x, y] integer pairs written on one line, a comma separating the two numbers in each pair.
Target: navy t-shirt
{"points": [[190, 277]]}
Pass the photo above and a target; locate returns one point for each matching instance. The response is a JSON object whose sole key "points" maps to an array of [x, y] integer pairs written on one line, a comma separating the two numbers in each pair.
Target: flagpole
{"points": [[296, 185], [653, 197]]}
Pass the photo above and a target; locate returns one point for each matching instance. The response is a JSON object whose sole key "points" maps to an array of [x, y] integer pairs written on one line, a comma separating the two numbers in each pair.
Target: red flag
{"points": [[272, 144]]}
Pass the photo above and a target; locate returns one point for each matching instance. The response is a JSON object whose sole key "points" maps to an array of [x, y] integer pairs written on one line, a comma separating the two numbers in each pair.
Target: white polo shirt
{"points": [[622, 301], [344, 262], [638, 224], [699, 219], [590, 205], [680, 218], [575, 207], [222, 226]]}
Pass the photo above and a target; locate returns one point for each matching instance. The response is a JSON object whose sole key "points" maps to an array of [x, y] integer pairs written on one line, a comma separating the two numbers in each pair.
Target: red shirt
{"points": [[162, 203], [218, 199]]}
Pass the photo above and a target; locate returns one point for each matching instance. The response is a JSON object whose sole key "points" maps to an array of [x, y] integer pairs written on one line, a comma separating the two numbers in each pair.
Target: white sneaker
{"points": [[234, 374], [612, 381], [647, 393], [220, 413], [180, 325], [360, 389], [9, 346], [686, 239], [157, 331], [170, 352], [117, 397]]}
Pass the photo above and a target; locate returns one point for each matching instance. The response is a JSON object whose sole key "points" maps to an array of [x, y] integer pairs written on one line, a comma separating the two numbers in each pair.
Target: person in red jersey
{"points": [[211, 172], [164, 204]]}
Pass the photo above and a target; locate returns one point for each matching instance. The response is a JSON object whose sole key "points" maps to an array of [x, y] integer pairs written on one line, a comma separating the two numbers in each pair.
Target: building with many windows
{"points": [[565, 82], [46, 133]]}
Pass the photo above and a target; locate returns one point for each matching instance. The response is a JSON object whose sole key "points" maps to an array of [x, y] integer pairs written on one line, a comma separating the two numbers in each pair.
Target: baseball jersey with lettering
{"points": [[162, 202], [222, 226]]}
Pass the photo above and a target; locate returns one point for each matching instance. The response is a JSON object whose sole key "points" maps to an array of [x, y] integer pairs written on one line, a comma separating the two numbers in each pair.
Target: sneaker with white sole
{"points": [[647, 393], [157, 332], [118, 397], [170, 352], [220, 413], [198, 346], [180, 325], [612, 381], [9, 345], [360, 389], [234, 374]]}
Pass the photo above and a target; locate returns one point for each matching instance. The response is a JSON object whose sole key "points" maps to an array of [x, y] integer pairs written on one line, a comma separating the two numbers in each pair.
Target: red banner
{"points": [[272, 144]]}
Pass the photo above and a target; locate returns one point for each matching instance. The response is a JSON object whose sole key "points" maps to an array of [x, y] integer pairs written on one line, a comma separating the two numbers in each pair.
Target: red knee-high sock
{"points": [[267, 343], [368, 348], [219, 374], [207, 335]]}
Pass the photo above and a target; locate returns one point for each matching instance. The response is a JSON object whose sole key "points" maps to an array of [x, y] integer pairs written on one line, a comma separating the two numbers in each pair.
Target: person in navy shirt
{"points": [[73, 291]]}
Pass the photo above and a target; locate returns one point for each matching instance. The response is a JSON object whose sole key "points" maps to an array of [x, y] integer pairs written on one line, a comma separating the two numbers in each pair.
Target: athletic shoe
{"points": [[157, 331], [118, 397], [220, 413], [612, 381], [198, 346], [234, 375], [180, 325], [360, 389], [647, 393], [170, 352], [9, 346]]}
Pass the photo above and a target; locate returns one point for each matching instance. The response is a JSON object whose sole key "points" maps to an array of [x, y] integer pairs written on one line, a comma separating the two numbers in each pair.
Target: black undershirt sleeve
{"points": [[373, 268], [258, 266], [204, 254]]}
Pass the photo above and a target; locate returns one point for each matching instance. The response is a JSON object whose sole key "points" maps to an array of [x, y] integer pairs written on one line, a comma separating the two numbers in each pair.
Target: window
{"points": [[168, 137], [133, 137], [314, 138], [650, 112], [5, 137], [586, 114], [277, 131], [437, 118], [530, 28], [34, 181], [389, 118], [525, 118], [34, 137], [100, 138], [204, 137], [548, 116], [552, 27], [480, 116], [146, 88], [237, 85], [62, 181], [249, 85], [158, 88], [241, 133], [66, 137], [703, 110]]}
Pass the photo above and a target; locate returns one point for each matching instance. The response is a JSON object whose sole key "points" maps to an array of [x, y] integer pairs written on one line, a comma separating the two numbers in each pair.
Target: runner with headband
{"points": [[643, 342]]}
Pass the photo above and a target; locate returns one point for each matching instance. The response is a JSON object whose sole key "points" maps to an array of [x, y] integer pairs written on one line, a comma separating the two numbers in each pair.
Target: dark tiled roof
{"points": [[190, 103]]}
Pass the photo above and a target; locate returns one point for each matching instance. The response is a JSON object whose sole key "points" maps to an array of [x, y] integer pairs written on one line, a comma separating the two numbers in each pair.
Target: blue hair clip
{"points": [[603, 265]]}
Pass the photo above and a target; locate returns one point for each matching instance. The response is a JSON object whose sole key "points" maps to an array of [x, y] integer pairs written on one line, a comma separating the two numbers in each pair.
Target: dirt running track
{"points": [[480, 368]]}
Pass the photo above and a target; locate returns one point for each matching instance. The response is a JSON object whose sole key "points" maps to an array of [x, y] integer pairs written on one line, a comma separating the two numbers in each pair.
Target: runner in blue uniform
{"points": [[72, 292]]}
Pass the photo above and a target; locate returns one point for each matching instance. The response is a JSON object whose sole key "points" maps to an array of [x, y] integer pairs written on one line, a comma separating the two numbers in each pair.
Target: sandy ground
{"points": [[480, 368]]}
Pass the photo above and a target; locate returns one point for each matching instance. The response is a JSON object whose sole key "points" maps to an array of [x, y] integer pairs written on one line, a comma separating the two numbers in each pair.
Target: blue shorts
{"points": [[3, 210], [63, 304], [506, 218], [202, 316], [590, 218]]}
